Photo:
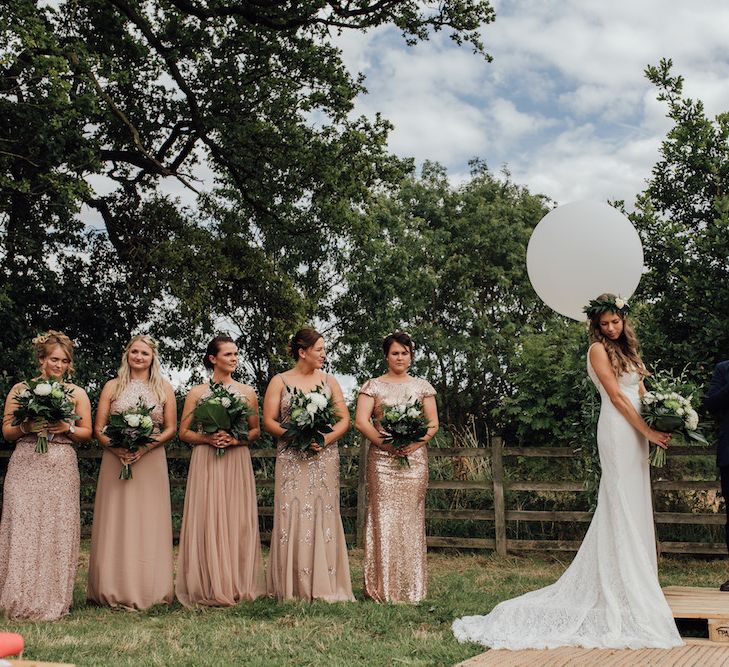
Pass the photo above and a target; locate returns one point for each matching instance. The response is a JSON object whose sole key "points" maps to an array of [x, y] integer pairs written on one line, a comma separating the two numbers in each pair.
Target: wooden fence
{"points": [[500, 485]]}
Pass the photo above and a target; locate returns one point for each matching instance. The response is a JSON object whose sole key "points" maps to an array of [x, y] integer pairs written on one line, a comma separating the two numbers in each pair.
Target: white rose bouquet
{"points": [[668, 408], [130, 430], [44, 400], [222, 410], [405, 424], [311, 415]]}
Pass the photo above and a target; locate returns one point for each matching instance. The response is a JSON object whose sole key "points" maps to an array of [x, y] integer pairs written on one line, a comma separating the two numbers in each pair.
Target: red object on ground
{"points": [[11, 643]]}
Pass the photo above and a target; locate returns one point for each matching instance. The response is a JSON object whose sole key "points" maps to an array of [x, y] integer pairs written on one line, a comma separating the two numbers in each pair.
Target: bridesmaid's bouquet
{"points": [[405, 424], [669, 408], [44, 400], [311, 415], [130, 430], [222, 410]]}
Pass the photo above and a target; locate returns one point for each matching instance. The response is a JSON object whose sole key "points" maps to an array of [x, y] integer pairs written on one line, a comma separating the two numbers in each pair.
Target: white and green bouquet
{"points": [[43, 401], [311, 415], [222, 410], [130, 430], [669, 408], [405, 424]]}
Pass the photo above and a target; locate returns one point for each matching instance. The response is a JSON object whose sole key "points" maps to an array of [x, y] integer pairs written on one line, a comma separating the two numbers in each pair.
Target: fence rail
{"points": [[500, 485]]}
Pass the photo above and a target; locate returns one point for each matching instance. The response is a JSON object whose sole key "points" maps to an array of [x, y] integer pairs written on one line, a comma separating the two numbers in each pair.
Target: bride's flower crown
{"points": [[611, 305]]}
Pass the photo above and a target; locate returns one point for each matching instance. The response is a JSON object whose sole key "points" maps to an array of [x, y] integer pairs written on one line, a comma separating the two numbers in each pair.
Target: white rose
{"points": [[43, 389], [146, 422], [225, 402], [413, 412], [312, 407], [649, 398], [132, 420], [680, 412], [319, 399], [692, 420], [26, 394], [619, 302]]}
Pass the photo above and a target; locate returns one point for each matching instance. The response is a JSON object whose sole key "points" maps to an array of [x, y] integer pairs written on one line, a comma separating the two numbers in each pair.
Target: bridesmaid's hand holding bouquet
{"points": [[130, 430], [311, 415], [222, 410], [45, 401], [405, 424], [669, 408]]}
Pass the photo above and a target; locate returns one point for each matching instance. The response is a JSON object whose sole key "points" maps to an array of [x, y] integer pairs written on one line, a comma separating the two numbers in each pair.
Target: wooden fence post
{"points": [[497, 474], [362, 490]]}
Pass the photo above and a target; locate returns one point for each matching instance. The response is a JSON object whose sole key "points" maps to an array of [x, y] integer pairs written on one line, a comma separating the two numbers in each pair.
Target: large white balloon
{"points": [[580, 250]]}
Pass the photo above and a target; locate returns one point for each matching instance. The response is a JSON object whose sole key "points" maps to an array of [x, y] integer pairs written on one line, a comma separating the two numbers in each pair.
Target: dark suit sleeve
{"points": [[717, 395]]}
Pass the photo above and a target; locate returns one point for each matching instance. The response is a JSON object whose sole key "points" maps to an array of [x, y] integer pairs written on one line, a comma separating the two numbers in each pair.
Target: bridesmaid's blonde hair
{"points": [[124, 375]]}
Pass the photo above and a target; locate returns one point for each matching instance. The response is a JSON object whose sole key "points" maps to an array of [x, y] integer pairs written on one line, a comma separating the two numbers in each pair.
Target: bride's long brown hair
{"points": [[623, 352]]}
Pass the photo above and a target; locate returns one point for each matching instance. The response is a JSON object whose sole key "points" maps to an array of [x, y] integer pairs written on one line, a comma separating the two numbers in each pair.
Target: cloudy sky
{"points": [[564, 104]]}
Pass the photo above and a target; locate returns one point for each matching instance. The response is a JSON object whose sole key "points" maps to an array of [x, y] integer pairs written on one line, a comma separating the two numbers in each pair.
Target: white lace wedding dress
{"points": [[609, 597]]}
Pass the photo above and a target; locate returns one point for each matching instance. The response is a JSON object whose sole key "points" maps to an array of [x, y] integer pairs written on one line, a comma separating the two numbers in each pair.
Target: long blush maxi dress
{"points": [[220, 562], [40, 530], [130, 565], [395, 547], [308, 558]]}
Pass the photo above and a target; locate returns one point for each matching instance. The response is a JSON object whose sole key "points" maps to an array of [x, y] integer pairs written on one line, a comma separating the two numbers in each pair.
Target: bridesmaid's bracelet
{"points": [[20, 426]]}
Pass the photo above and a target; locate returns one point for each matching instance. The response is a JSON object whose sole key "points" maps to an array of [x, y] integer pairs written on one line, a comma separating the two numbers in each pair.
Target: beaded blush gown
{"points": [[220, 562], [130, 565], [609, 596], [395, 548], [308, 558], [40, 530]]}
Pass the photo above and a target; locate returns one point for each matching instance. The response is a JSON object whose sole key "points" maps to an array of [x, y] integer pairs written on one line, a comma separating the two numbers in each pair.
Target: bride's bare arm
{"points": [[601, 363]]}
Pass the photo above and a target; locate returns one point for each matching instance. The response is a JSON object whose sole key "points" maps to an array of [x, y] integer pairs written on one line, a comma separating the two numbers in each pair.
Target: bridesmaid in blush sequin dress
{"points": [[308, 558], [220, 561], [131, 539], [395, 546], [40, 528]]}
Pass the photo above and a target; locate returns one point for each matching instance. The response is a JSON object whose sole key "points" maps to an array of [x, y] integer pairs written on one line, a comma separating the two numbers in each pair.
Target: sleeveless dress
{"points": [[40, 530], [308, 558], [609, 597], [220, 562], [130, 565], [395, 568]]}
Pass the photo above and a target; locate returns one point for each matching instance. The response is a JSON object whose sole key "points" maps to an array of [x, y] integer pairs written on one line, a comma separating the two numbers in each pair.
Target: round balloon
{"points": [[580, 250]]}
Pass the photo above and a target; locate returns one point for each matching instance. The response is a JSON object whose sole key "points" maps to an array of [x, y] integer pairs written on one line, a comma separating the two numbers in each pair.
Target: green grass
{"points": [[360, 633]]}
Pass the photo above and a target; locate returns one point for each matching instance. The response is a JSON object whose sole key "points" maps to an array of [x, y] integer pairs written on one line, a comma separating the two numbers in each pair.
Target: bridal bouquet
{"points": [[43, 401], [669, 408], [311, 415], [222, 410], [130, 430], [405, 424]]}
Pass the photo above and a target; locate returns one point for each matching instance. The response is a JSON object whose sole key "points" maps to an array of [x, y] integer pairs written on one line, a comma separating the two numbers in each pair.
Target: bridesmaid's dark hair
{"points": [[303, 339], [214, 348], [397, 337]]}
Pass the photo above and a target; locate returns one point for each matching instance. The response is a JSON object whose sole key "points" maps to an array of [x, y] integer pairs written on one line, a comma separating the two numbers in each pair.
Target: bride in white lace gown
{"points": [[609, 597]]}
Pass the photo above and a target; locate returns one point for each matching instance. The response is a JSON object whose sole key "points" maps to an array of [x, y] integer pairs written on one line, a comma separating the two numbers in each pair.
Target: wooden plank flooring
{"points": [[692, 602], [696, 653]]}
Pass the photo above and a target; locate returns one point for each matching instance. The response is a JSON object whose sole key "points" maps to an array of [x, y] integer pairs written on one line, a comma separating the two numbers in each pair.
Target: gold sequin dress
{"points": [[308, 558], [220, 561], [40, 530], [131, 538], [395, 567]]}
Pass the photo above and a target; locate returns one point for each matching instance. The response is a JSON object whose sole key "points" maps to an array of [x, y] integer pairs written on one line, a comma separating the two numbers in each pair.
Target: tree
{"points": [[144, 92], [683, 220], [448, 265]]}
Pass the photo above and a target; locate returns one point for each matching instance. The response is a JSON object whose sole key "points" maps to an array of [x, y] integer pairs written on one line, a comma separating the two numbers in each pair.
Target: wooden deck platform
{"points": [[696, 653], [704, 603]]}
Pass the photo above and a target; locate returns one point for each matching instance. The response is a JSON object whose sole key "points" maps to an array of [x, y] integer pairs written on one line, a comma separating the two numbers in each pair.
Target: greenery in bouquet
{"points": [[44, 401], [130, 430], [311, 415], [222, 410], [405, 424], [668, 407]]}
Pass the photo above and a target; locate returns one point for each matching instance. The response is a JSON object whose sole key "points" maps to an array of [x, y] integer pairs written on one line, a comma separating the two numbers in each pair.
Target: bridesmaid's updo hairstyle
{"points": [[397, 337], [213, 348], [303, 339], [45, 343]]}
